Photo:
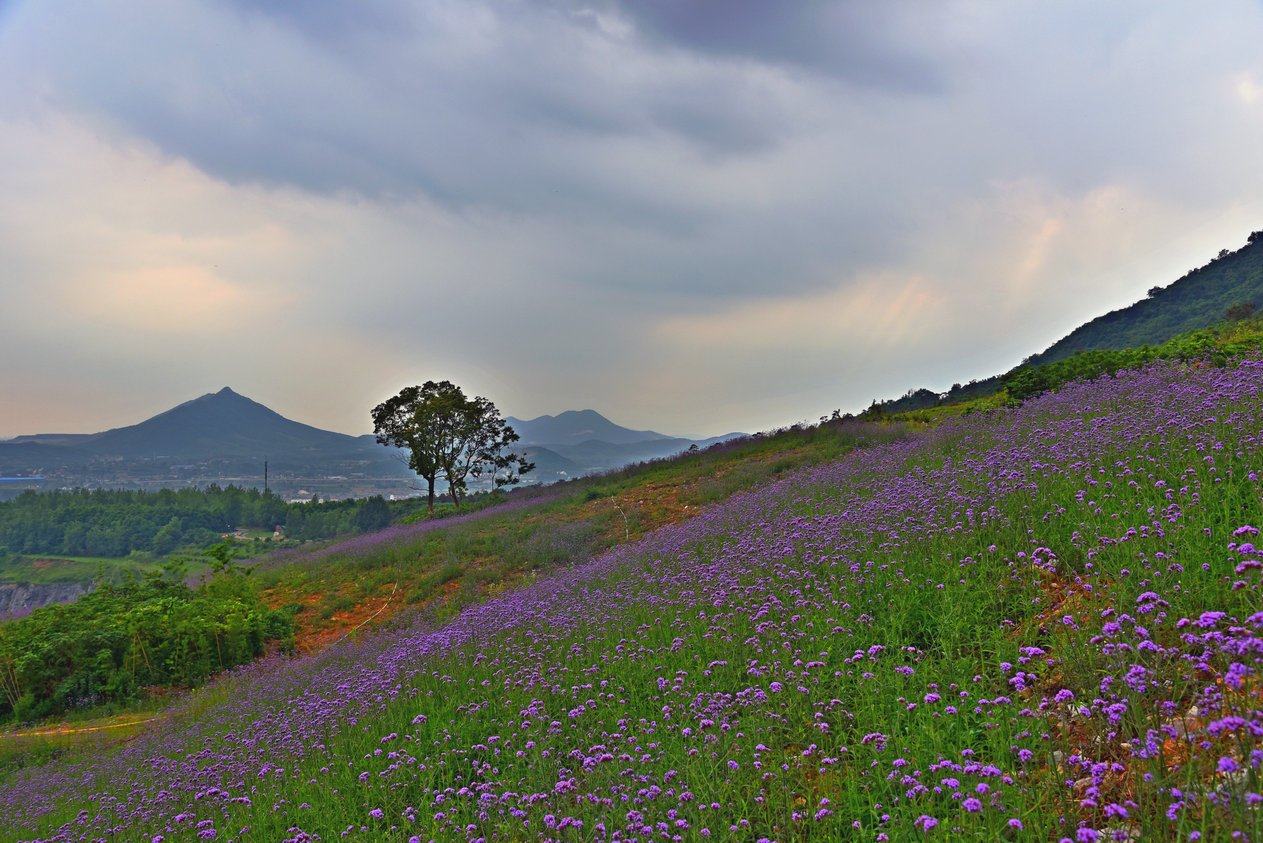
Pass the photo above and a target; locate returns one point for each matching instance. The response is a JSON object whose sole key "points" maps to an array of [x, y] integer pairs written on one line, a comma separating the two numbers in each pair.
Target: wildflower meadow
{"points": [[1041, 623]]}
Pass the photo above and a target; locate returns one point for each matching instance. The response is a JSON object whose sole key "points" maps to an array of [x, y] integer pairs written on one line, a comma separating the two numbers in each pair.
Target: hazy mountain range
{"points": [[579, 442], [224, 436]]}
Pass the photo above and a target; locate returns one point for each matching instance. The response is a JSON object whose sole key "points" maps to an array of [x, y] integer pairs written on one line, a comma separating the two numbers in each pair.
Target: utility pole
{"points": [[265, 477]]}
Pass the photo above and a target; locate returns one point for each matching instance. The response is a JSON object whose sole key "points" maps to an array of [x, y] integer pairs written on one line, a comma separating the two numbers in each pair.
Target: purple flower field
{"points": [[1040, 624]]}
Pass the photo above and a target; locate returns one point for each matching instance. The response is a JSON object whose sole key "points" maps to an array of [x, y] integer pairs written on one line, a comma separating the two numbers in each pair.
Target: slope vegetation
{"points": [[1227, 289], [1199, 299], [1026, 625]]}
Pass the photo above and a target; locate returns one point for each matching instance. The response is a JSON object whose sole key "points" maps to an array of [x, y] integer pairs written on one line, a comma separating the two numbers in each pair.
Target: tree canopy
{"points": [[116, 522], [448, 434], [120, 640]]}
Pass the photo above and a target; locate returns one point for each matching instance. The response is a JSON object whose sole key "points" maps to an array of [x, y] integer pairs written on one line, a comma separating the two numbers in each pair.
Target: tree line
{"points": [[1217, 345], [116, 523]]}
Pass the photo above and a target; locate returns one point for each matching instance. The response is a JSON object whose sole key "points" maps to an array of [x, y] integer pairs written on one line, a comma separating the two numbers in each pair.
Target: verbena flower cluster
{"points": [[1042, 624]]}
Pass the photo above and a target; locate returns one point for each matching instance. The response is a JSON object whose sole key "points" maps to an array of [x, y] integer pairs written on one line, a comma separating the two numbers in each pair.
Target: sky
{"points": [[693, 217]]}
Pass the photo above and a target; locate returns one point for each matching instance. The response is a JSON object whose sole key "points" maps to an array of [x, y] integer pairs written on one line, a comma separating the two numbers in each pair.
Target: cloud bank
{"points": [[692, 216]]}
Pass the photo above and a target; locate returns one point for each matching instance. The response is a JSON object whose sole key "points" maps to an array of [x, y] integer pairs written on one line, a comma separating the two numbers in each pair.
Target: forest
{"points": [[116, 523]]}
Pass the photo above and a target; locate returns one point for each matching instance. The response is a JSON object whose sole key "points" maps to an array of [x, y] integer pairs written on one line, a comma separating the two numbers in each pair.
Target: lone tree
{"points": [[448, 434]]}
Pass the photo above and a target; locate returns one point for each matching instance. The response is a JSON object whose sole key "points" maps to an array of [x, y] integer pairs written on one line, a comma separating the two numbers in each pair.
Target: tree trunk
{"points": [[431, 479]]}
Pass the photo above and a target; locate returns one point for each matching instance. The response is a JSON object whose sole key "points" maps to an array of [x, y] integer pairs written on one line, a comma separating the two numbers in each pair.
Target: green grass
{"points": [[55, 569], [502, 551]]}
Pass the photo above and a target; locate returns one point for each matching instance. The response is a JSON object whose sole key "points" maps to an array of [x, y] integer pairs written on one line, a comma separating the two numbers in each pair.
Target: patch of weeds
{"points": [[334, 603]]}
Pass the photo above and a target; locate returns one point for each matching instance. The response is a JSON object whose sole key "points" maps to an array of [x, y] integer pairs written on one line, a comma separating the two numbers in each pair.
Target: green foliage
{"points": [[1218, 345], [1198, 300], [923, 399], [116, 523], [449, 434], [373, 514], [118, 640]]}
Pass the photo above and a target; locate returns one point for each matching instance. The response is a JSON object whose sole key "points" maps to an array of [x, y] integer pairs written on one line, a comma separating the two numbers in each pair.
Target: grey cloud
{"points": [[585, 172], [884, 45], [334, 22], [511, 116]]}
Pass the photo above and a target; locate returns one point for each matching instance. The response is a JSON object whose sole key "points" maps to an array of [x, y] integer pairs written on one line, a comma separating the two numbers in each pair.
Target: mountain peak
{"points": [[225, 394], [572, 427], [217, 424]]}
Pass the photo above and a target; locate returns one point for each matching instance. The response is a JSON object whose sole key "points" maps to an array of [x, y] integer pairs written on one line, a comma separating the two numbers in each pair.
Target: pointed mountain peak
{"points": [[217, 424], [226, 393], [225, 397]]}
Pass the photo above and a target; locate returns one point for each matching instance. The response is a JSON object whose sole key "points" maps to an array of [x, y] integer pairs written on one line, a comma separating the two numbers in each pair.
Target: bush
{"points": [[119, 639]]}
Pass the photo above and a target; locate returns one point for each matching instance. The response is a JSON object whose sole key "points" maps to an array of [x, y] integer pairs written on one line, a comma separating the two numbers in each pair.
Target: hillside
{"points": [[1199, 299], [1023, 625], [1228, 288]]}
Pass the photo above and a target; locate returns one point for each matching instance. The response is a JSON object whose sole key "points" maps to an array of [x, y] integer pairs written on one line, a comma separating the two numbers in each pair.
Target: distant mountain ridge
{"points": [[579, 442], [574, 427], [215, 425], [224, 434], [220, 424], [219, 432]]}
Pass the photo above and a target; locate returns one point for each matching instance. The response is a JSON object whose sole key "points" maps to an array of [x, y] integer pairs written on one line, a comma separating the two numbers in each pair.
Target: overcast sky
{"points": [[694, 217]]}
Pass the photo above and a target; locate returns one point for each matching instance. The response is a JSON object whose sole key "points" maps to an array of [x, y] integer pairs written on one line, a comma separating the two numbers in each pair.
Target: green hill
{"points": [[1227, 289], [1201, 298]]}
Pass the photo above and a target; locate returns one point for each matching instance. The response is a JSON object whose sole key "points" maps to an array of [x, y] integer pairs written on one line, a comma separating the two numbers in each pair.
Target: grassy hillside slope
{"points": [[1228, 288], [1027, 624], [1199, 299], [444, 564]]}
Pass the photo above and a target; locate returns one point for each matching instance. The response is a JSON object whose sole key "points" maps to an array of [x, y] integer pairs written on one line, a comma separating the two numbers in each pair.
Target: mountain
{"points": [[1199, 299], [218, 437], [225, 437], [579, 442], [550, 466], [221, 425], [574, 427], [217, 426]]}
